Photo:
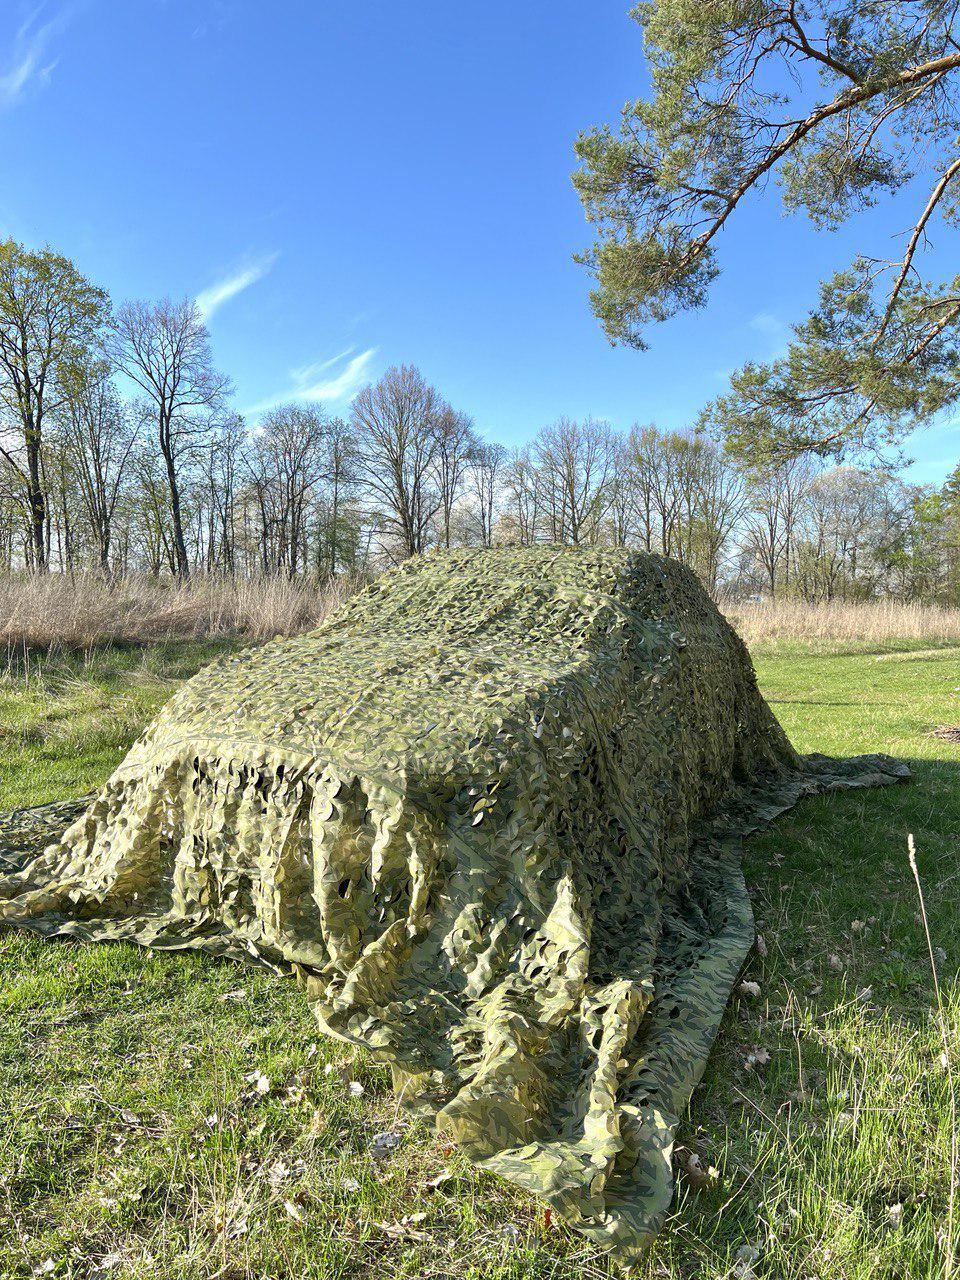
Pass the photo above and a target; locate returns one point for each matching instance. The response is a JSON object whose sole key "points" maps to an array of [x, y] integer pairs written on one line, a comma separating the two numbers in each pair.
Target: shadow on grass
{"points": [[835, 1151]]}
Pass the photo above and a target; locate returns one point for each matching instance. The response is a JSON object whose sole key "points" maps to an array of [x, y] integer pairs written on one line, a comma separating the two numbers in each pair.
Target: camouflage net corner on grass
{"points": [[490, 815]]}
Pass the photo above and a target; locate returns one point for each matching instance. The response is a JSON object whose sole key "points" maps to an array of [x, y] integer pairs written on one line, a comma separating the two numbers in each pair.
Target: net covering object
{"points": [[490, 815]]}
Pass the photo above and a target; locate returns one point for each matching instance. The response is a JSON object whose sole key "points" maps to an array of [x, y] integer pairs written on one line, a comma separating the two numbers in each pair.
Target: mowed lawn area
{"points": [[180, 1117]]}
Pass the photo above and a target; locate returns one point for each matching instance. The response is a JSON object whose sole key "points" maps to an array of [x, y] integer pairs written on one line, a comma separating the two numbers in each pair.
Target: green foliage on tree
{"points": [[49, 315], [950, 510], [838, 103], [848, 379]]}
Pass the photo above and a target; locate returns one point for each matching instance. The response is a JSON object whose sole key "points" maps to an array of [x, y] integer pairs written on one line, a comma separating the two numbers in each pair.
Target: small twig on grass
{"points": [[949, 1264]]}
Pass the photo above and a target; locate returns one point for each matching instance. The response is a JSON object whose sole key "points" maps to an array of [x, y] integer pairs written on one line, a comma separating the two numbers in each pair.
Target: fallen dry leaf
{"points": [[698, 1174], [258, 1082], [403, 1230], [382, 1144], [756, 1058]]}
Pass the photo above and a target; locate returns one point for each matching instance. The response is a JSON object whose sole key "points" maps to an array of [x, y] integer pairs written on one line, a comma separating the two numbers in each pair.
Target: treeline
{"points": [[119, 451]]}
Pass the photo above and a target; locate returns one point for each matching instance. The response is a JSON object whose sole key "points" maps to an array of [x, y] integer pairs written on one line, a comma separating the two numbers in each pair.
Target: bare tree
{"points": [[775, 496], [49, 314], [149, 514], [340, 466], [638, 462], [396, 420], [287, 464], [620, 505], [488, 460], [849, 525], [575, 462], [668, 476], [456, 442], [522, 494], [12, 514], [64, 511], [224, 456], [717, 500], [165, 350], [100, 435]]}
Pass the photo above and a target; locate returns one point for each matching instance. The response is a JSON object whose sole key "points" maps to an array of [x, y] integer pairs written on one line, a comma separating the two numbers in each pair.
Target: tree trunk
{"points": [[36, 499], [181, 565], [333, 530]]}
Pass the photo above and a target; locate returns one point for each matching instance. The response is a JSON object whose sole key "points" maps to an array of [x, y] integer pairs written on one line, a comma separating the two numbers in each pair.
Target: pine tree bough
{"points": [[490, 815]]}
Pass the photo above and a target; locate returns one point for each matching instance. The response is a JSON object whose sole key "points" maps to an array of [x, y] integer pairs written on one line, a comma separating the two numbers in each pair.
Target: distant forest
{"points": [[120, 453]]}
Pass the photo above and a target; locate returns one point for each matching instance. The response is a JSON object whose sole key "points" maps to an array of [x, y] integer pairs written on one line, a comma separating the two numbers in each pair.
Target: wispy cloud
{"points": [[211, 299], [774, 335], [339, 386], [766, 322], [333, 381], [309, 373], [29, 62]]}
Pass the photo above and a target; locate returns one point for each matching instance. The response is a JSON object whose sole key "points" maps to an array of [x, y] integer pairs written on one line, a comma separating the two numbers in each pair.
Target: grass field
{"points": [[180, 1117]]}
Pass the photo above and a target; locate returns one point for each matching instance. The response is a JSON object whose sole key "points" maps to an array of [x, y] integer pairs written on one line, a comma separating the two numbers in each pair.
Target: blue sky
{"points": [[348, 184]]}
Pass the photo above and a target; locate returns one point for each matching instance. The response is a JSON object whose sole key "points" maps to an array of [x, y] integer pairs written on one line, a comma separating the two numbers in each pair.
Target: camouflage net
{"points": [[490, 815]]}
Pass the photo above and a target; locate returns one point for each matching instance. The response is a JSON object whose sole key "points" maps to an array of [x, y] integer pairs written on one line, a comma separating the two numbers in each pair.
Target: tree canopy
{"points": [[838, 102], [49, 316]]}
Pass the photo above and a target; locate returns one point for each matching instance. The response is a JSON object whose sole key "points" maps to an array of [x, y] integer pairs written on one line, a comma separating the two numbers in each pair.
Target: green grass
{"points": [[66, 722], [134, 1140]]}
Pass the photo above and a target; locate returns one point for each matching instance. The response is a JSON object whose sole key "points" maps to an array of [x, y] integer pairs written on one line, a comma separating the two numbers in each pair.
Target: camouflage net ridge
{"points": [[490, 814]]}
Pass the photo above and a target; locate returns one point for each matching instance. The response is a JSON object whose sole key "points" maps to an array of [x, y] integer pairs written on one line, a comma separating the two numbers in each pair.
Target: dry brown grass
{"points": [[880, 622], [55, 611]]}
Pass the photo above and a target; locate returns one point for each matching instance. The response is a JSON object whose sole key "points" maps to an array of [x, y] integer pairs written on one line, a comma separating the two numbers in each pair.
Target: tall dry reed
{"points": [[48, 611], [867, 622]]}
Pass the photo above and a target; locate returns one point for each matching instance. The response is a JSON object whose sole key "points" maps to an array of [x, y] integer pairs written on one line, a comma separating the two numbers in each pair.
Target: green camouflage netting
{"points": [[490, 814]]}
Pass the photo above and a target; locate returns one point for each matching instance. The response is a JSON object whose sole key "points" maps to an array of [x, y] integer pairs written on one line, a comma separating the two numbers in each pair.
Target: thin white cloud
{"points": [[309, 372], [308, 387], [211, 299], [766, 322], [27, 62], [345, 384]]}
